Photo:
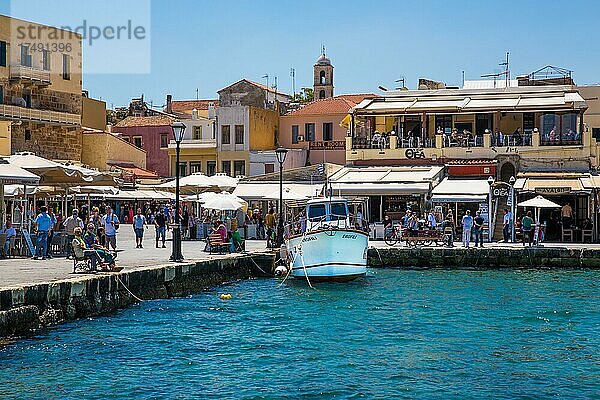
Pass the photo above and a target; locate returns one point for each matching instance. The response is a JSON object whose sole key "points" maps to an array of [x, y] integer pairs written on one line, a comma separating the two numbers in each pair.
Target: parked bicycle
{"points": [[392, 235]]}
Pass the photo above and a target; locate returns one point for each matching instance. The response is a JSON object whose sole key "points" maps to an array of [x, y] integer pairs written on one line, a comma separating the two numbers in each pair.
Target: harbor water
{"points": [[394, 334]]}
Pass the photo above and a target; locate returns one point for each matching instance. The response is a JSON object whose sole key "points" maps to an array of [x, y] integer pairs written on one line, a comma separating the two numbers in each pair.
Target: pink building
{"points": [[316, 128], [151, 134]]}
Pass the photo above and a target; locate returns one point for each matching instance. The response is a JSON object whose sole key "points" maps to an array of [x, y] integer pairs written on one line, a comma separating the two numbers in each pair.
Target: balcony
{"points": [[29, 74], [195, 144], [36, 115], [529, 146]]}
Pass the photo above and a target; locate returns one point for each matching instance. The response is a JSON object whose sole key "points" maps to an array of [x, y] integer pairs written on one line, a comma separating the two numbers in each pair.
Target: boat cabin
{"points": [[327, 211]]}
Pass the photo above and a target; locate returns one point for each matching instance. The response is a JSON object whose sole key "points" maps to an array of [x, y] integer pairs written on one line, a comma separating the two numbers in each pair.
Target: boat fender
{"points": [[283, 252], [225, 296], [281, 270]]}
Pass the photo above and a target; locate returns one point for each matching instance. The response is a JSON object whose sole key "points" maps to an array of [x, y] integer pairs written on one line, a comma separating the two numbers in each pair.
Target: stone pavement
{"points": [[20, 271], [24, 271]]}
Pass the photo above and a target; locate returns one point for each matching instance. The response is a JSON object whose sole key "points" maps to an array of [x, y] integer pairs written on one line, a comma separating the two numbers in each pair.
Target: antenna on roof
{"points": [[267, 77], [505, 73], [293, 75], [323, 49], [197, 94], [403, 83]]}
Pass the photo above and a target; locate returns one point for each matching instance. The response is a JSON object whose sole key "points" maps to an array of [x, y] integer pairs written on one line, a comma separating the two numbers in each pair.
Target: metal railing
{"points": [[33, 114], [30, 73]]}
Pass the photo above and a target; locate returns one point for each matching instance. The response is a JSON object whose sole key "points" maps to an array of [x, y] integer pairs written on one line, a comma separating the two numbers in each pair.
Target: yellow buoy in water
{"points": [[224, 296]]}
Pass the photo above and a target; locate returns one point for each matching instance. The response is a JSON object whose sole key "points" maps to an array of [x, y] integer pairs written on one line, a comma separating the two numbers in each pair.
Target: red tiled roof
{"points": [[335, 105], [186, 106], [159, 120], [138, 172]]}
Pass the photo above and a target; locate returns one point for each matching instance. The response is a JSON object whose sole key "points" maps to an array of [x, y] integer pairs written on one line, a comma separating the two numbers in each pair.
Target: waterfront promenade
{"points": [[25, 271]]}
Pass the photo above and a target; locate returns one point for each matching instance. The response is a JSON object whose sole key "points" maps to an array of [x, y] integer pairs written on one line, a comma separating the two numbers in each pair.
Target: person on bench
{"points": [[81, 248]]}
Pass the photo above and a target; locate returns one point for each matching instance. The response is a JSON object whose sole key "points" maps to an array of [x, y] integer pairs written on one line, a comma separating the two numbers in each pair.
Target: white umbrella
{"points": [[195, 181], [539, 202], [225, 202], [201, 197], [224, 181]]}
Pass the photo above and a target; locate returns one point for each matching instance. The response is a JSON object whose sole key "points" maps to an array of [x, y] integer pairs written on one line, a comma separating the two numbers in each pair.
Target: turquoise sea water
{"points": [[395, 334]]}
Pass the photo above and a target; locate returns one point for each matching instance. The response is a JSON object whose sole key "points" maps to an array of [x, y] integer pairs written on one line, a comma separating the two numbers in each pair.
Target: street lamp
{"points": [[281, 153], [511, 181], [178, 131], [490, 182]]}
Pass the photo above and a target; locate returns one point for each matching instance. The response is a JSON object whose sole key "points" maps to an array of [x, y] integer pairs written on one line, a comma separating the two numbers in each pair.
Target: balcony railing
{"points": [[32, 114], [194, 144], [30, 74]]}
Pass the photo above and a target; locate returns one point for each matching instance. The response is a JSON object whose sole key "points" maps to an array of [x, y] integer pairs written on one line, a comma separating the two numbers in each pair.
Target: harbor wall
{"points": [[487, 258], [25, 309]]}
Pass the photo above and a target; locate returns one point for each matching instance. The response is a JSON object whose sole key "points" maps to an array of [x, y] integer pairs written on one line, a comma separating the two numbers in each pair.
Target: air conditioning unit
{"points": [[300, 138]]}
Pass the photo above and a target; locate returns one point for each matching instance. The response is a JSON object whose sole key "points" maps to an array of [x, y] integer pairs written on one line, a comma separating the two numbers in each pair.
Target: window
{"points": [[46, 60], [528, 123], [26, 59], [226, 167], [195, 166], [1, 94], [309, 132], [327, 131], [225, 134], [316, 212], [269, 168], [239, 168], [550, 127], [211, 168], [126, 138], [443, 122], [338, 211], [164, 140], [596, 133], [294, 134], [239, 134], [66, 74], [137, 141], [27, 134], [321, 94], [182, 169], [569, 127], [197, 133], [483, 122], [322, 77], [2, 54]]}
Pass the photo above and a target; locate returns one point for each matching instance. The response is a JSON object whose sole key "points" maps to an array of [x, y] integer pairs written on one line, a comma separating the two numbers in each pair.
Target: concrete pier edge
{"points": [[26, 309]]}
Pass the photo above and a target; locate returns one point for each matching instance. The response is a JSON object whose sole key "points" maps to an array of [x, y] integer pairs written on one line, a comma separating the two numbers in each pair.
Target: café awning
{"points": [[556, 185], [461, 191]]}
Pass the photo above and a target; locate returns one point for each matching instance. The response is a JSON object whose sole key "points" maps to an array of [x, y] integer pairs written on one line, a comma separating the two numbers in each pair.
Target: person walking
{"points": [[53, 226], [43, 224], [507, 225], [70, 224], [527, 227], [467, 224], [110, 222], [139, 223], [161, 224], [478, 222]]}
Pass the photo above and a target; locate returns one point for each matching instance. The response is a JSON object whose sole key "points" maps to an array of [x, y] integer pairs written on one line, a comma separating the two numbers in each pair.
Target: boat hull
{"points": [[329, 255]]}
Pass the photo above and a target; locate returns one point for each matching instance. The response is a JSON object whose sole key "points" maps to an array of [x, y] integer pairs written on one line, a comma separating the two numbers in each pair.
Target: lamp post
{"points": [[178, 131], [281, 153], [490, 182], [511, 181]]}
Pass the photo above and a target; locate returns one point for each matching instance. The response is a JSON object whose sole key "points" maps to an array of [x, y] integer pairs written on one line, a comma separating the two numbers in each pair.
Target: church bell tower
{"points": [[323, 77]]}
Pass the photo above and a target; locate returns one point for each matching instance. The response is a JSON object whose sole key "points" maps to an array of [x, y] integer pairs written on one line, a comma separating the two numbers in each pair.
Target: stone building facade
{"points": [[41, 89], [323, 78]]}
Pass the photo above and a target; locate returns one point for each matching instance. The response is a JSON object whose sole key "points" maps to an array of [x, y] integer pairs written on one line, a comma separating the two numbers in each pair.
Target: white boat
{"points": [[331, 248]]}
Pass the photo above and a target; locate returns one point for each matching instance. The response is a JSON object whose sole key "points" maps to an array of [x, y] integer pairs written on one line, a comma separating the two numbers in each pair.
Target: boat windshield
{"points": [[316, 212], [338, 211]]}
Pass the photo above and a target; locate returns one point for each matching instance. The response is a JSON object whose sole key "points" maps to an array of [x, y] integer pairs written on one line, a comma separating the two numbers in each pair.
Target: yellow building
{"points": [[40, 88]]}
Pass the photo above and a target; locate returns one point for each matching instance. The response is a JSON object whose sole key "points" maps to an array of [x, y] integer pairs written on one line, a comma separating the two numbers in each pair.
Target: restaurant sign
{"points": [[553, 190], [328, 145]]}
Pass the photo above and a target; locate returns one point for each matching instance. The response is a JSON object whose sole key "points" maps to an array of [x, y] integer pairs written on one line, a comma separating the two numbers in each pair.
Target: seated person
{"points": [[237, 241], [587, 225], [11, 233], [80, 248]]}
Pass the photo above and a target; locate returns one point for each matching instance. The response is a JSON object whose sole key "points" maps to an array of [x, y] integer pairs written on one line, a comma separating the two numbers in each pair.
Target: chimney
{"points": [[211, 110], [169, 104], [194, 114]]}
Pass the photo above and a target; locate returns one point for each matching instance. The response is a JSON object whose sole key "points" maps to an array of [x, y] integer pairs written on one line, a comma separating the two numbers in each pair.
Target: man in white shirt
{"points": [[507, 225], [70, 224], [11, 233], [110, 222]]}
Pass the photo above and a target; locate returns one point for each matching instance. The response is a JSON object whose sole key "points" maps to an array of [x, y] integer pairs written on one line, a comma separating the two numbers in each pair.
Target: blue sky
{"points": [[206, 45]]}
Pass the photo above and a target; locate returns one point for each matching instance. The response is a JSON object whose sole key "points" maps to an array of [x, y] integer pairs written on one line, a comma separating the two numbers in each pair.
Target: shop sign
{"points": [[413, 154], [501, 191], [327, 145], [553, 190]]}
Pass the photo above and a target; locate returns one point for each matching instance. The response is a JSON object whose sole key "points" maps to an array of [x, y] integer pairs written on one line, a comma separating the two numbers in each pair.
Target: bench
{"points": [[215, 243], [87, 264]]}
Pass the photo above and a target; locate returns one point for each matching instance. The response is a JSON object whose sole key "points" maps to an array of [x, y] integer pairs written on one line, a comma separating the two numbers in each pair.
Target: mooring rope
{"points": [[126, 288]]}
